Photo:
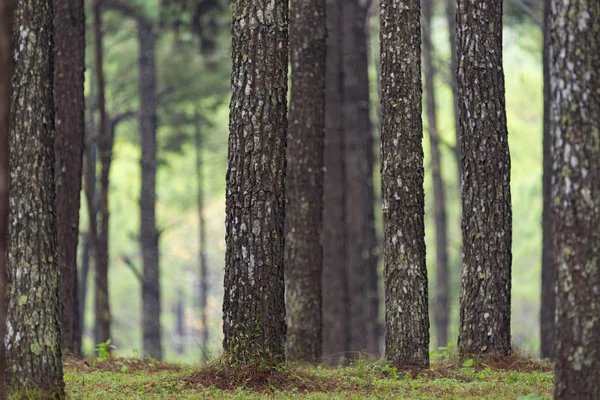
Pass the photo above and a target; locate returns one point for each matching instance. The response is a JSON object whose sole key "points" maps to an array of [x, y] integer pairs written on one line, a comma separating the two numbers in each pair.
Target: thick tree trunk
{"points": [[105, 142], [254, 305], [202, 265], [548, 306], [33, 338], [442, 301], [406, 311], [304, 207], [451, 20], [486, 204], [575, 131], [149, 236], [6, 71], [361, 258], [336, 308], [69, 36]]}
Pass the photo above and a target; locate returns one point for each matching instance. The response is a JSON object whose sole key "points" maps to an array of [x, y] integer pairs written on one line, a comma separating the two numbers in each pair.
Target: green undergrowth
{"points": [[506, 378]]}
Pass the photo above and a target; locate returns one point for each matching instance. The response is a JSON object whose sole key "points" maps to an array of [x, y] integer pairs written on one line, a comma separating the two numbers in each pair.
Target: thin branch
{"points": [[129, 263]]}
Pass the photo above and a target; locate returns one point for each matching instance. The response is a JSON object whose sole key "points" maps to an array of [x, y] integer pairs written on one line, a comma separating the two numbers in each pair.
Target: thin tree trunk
{"points": [[451, 20], [105, 142], [336, 309], [179, 311], [149, 235], [6, 71], [402, 174], [304, 208], [69, 36], [548, 306], [442, 301], [254, 304], [33, 359], [83, 282], [486, 204], [203, 270], [575, 132], [361, 258], [91, 198]]}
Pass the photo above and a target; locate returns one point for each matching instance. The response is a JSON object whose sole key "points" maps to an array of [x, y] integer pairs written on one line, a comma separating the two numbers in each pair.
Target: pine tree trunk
{"points": [[575, 131], [358, 151], [486, 204], [69, 36], [548, 306], [6, 71], [336, 309], [451, 20], [254, 305], [406, 311], [304, 207], [149, 236], [33, 359], [442, 301], [105, 143]]}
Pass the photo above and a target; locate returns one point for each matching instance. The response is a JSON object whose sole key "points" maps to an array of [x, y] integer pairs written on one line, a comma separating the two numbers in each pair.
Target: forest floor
{"points": [[509, 378]]}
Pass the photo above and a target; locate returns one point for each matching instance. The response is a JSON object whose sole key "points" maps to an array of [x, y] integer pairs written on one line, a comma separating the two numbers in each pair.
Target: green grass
{"points": [[132, 379]]}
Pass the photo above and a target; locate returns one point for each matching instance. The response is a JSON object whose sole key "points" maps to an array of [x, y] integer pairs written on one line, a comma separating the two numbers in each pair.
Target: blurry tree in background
{"points": [[304, 181], [33, 338], [548, 300], [6, 70], [575, 134], [335, 306], [442, 300], [253, 305], [69, 37], [100, 249], [486, 198], [402, 174]]}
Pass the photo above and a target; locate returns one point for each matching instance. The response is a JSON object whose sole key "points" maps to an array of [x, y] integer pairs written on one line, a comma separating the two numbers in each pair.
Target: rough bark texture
{"points": [[486, 205], [254, 304], [548, 306], [6, 71], [33, 340], [304, 207], [361, 260], [105, 142], [203, 266], [575, 130], [69, 36], [149, 235], [442, 301], [406, 303], [336, 308], [451, 20]]}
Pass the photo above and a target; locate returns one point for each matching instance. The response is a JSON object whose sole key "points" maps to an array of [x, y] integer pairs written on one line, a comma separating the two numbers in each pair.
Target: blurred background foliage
{"points": [[193, 60]]}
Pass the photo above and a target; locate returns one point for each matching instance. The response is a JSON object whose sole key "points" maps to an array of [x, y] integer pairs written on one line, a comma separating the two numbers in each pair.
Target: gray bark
{"points": [[254, 307], [6, 71], [486, 204], [406, 300], [575, 132], [304, 185], [33, 338]]}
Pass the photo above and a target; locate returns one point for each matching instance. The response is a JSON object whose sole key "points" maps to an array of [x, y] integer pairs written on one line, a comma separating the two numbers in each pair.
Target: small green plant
{"points": [[103, 349], [468, 363]]}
